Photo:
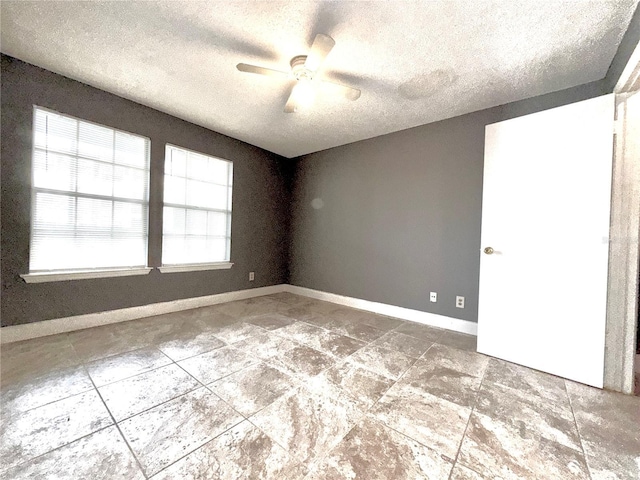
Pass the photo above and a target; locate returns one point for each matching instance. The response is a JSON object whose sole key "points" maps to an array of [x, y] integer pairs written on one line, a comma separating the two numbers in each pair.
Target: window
{"points": [[197, 208], [90, 190]]}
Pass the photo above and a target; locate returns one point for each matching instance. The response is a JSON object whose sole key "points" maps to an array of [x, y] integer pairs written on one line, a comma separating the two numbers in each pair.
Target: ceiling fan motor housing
{"points": [[300, 72]]}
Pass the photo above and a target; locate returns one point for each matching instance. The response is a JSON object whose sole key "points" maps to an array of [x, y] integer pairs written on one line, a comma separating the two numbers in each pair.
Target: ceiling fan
{"points": [[304, 69]]}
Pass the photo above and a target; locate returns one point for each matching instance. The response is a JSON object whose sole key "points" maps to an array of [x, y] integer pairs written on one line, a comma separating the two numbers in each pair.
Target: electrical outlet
{"points": [[433, 297], [460, 302], [252, 276]]}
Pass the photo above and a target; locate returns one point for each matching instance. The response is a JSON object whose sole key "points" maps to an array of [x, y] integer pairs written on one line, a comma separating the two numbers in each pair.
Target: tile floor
{"points": [[284, 387]]}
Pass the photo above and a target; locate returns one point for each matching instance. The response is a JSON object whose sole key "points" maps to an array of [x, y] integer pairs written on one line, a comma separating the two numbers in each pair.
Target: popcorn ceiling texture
{"points": [[415, 62]]}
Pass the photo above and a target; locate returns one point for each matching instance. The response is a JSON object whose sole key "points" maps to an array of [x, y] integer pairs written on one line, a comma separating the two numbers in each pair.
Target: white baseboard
{"points": [[16, 333], [403, 313]]}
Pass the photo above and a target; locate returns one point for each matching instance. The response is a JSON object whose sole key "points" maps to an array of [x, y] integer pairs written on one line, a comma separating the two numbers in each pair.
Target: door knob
{"points": [[488, 250]]}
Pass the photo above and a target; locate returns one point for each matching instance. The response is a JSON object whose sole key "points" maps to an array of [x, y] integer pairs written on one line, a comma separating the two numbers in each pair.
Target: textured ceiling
{"points": [[415, 62]]}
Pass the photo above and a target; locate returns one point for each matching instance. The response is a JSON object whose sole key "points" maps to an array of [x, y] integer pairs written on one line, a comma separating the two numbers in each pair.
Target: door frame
{"points": [[624, 237]]}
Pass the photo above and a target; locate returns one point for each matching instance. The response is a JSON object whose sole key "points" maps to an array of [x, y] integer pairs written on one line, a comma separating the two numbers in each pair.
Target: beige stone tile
{"points": [[460, 472], [191, 345], [291, 299], [212, 366], [32, 392], [307, 424], [166, 433], [448, 373], [246, 308], [271, 321], [213, 320], [609, 426], [252, 388], [526, 380], [301, 332], [406, 344], [318, 320], [459, 340], [241, 452], [371, 451], [424, 332], [432, 421], [315, 309], [380, 322], [443, 382], [364, 386], [320, 339], [471, 363], [497, 449], [29, 359], [26, 435], [382, 361], [99, 342], [101, 455], [346, 314], [303, 362], [154, 331], [136, 394], [265, 345], [236, 332], [550, 420], [118, 367], [320, 306], [336, 345], [354, 329]]}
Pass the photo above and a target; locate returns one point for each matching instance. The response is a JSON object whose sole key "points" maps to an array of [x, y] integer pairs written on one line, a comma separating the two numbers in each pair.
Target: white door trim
{"points": [[624, 247]]}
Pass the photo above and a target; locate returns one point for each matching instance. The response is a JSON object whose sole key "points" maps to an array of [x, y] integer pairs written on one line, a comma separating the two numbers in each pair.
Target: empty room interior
{"points": [[390, 240]]}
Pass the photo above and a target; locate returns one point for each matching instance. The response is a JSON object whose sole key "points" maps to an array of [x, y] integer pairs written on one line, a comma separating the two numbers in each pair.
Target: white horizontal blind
{"points": [[90, 195], [197, 208]]}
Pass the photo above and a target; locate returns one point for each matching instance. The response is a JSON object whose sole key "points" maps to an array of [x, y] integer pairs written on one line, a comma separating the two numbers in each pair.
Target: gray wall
{"points": [[401, 213], [260, 202]]}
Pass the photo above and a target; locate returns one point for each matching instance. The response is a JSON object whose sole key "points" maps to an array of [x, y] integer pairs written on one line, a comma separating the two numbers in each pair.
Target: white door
{"points": [[545, 213]]}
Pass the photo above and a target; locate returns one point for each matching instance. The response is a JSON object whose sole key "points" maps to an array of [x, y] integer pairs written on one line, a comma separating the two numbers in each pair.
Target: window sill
{"points": [[195, 268], [82, 275]]}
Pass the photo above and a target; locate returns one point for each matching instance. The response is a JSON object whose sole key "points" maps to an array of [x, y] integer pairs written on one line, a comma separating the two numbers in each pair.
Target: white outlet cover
{"points": [[460, 302], [433, 297], [252, 276]]}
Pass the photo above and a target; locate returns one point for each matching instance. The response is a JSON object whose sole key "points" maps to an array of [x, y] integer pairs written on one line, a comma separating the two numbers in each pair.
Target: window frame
{"points": [[191, 267], [39, 276]]}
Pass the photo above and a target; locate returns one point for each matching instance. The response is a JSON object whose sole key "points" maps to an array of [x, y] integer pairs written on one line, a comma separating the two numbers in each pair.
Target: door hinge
{"points": [[618, 127]]}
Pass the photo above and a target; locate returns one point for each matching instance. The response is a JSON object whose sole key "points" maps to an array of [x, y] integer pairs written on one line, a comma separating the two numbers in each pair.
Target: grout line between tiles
{"points": [[473, 408], [31, 459], [302, 382], [158, 404], [21, 412], [144, 474], [130, 376], [202, 385], [200, 446], [575, 422]]}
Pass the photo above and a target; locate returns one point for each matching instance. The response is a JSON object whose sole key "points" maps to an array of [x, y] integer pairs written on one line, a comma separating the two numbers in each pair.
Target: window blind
{"points": [[197, 208], [90, 190]]}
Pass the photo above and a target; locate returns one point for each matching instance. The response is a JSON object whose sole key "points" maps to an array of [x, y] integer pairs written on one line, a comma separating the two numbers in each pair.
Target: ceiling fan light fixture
{"points": [[299, 70], [303, 70], [303, 93]]}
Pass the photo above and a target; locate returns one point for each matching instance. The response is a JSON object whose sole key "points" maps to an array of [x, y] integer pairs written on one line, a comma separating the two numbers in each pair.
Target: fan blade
{"points": [[321, 47], [347, 92], [302, 96], [291, 106], [245, 67]]}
